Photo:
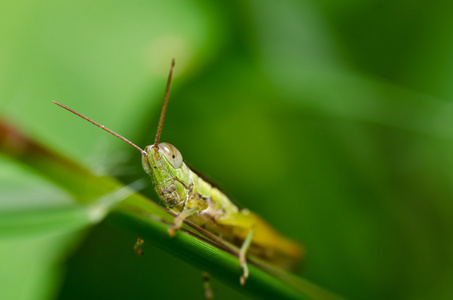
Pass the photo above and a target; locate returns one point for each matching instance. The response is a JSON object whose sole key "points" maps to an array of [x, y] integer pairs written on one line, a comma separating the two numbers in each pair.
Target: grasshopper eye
{"points": [[172, 154]]}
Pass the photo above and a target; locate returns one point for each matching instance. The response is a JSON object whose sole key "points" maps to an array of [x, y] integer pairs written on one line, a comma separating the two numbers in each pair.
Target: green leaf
{"points": [[50, 230]]}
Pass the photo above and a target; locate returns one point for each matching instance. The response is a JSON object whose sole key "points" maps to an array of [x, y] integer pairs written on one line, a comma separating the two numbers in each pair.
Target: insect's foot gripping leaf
{"points": [[245, 275], [180, 219], [242, 256], [138, 246], [172, 231], [208, 293]]}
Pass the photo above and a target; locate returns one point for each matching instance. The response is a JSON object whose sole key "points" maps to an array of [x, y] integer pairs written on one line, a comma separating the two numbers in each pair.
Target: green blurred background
{"points": [[333, 120]]}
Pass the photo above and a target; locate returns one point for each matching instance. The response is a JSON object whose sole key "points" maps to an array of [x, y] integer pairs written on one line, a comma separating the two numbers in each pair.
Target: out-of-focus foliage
{"points": [[333, 120]]}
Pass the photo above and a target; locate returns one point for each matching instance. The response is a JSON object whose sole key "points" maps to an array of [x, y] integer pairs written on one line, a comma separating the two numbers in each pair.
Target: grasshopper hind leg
{"points": [[243, 256]]}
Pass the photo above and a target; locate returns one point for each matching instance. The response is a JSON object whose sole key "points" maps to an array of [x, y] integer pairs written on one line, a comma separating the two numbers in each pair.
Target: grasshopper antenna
{"points": [[164, 106], [101, 126]]}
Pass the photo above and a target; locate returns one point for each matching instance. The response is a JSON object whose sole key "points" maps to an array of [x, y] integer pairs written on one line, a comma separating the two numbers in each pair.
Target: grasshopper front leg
{"points": [[138, 246], [180, 219]]}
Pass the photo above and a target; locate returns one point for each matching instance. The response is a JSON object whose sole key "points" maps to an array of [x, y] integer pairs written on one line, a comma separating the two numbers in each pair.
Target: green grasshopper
{"points": [[193, 198]]}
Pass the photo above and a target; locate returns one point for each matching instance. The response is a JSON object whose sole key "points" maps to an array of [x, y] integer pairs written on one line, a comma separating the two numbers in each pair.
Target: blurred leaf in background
{"points": [[333, 120]]}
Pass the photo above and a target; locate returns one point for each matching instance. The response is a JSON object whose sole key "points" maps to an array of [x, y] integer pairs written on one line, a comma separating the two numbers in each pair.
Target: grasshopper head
{"points": [[169, 173], [161, 162]]}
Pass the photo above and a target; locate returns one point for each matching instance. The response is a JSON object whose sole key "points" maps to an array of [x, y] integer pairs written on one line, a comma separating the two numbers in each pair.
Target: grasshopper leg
{"points": [[180, 219], [243, 256], [208, 293], [138, 246]]}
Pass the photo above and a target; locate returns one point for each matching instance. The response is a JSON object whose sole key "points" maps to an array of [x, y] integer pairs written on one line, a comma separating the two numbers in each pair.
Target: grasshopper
{"points": [[193, 198]]}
